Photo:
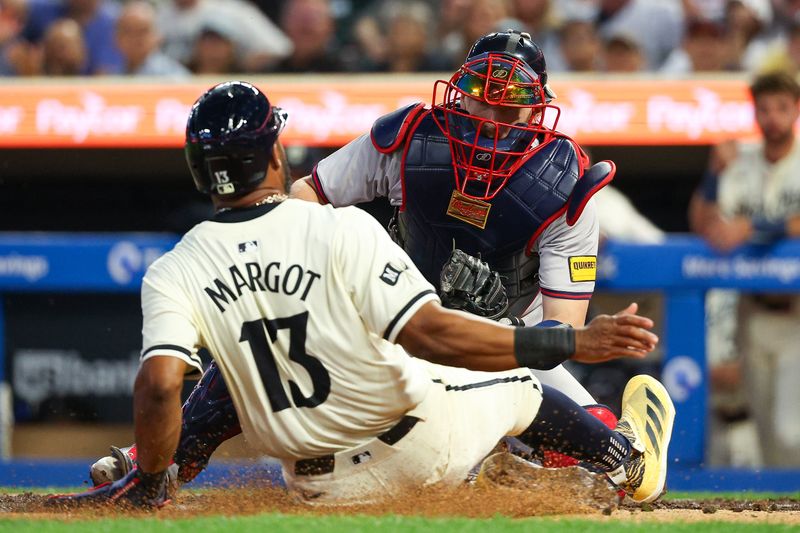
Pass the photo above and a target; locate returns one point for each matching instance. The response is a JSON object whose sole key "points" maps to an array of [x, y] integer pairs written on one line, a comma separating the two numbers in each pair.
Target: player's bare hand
{"points": [[624, 334]]}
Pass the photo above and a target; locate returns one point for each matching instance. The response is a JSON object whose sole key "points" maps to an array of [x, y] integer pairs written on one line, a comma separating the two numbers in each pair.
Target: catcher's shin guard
{"points": [[551, 459], [209, 419]]}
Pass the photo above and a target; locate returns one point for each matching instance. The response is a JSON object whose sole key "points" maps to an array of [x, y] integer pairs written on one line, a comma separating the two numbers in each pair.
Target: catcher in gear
{"points": [[483, 169], [320, 362]]}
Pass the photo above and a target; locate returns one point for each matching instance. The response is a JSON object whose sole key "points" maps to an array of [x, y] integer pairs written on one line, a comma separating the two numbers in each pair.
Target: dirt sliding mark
{"points": [[473, 502]]}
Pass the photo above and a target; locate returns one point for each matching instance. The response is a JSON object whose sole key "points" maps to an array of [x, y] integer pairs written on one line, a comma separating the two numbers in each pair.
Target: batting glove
{"points": [[137, 489]]}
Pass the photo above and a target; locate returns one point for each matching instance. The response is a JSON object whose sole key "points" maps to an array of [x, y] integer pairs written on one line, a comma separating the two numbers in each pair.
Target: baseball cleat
{"points": [[646, 421], [120, 463], [113, 467]]}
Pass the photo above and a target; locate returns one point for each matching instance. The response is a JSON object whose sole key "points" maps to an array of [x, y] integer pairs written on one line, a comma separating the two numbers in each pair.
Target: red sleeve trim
{"points": [[318, 186], [564, 295], [544, 226]]}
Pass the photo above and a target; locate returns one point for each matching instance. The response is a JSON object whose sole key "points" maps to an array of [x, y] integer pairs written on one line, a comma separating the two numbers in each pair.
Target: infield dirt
{"points": [[467, 501]]}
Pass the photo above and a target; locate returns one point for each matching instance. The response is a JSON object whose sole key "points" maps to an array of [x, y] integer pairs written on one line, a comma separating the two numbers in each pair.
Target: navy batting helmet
{"points": [[229, 138]]}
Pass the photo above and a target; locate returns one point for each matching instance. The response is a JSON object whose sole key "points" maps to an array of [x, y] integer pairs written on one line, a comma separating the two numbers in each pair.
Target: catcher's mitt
{"points": [[467, 283]]}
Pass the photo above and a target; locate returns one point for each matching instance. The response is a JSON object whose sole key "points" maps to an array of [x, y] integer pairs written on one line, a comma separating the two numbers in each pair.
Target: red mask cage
{"points": [[486, 152]]}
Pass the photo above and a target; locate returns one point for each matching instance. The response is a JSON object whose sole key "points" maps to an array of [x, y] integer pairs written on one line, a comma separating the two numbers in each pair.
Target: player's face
{"points": [[496, 113], [776, 115]]}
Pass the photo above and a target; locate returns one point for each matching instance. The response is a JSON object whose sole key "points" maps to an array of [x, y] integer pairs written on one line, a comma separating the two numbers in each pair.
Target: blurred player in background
{"points": [[313, 313], [752, 195]]}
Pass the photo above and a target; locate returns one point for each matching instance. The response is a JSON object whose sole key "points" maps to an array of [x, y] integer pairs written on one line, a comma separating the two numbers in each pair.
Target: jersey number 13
{"points": [[255, 333]]}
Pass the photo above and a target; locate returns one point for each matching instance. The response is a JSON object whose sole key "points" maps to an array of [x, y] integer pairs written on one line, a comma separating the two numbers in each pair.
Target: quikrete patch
{"points": [[583, 268]]}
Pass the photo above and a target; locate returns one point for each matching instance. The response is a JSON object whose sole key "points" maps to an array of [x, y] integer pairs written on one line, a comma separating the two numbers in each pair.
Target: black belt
{"points": [[317, 466]]}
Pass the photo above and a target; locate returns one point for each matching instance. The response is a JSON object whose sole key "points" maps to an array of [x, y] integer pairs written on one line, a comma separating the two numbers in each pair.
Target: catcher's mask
{"points": [[487, 152]]}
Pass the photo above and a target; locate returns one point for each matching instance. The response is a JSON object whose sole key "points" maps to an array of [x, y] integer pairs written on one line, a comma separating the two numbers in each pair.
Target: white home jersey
{"points": [[752, 186], [299, 304], [567, 254]]}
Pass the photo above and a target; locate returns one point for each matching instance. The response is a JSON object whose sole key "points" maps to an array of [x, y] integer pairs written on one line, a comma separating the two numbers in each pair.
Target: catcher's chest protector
{"points": [[502, 230]]}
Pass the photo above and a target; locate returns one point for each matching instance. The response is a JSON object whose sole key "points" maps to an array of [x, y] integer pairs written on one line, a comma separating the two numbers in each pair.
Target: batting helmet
{"points": [[229, 137], [503, 69]]}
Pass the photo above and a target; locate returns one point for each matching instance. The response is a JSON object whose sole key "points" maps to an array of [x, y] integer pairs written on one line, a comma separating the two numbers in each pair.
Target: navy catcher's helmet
{"points": [[516, 44], [229, 137], [502, 70]]}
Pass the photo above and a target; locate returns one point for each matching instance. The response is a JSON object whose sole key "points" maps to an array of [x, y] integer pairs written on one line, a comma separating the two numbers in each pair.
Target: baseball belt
{"points": [[317, 466]]}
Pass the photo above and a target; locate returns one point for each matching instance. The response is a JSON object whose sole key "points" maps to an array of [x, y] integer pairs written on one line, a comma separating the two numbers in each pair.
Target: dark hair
{"points": [[775, 82]]}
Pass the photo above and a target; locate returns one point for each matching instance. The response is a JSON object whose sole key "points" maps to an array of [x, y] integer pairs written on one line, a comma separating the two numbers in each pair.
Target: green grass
{"points": [[274, 523], [355, 524]]}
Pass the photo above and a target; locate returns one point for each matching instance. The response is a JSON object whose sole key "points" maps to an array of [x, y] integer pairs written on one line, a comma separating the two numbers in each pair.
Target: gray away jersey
{"points": [[568, 254]]}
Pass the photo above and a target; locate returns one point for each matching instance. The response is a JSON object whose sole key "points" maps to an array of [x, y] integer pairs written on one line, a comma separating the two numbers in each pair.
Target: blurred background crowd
{"points": [[178, 37]]}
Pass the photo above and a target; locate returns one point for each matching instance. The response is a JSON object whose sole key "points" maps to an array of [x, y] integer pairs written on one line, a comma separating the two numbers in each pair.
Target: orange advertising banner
{"points": [[332, 111]]}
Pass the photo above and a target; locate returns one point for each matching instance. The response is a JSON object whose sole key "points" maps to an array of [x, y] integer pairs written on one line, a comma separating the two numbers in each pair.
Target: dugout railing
{"points": [[682, 268]]}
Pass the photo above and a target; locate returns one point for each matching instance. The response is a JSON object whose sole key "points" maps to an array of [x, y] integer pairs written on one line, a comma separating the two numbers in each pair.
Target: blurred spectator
{"points": [[13, 14], [538, 17], [623, 53], [752, 195], [579, 47], [484, 16], [65, 51], [451, 19], [785, 53], [748, 23], [465, 22], [656, 25], [408, 37], [785, 14], [271, 8], [704, 49], [704, 9], [215, 50], [96, 19], [259, 41], [310, 26], [138, 41]]}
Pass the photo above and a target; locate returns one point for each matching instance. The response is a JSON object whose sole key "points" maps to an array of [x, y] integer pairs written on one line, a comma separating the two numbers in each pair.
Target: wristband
{"points": [[543, 348], [766, 231]]}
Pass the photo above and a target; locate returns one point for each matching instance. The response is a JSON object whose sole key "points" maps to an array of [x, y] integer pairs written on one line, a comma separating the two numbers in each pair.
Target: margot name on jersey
{"points": [[295, 279]]}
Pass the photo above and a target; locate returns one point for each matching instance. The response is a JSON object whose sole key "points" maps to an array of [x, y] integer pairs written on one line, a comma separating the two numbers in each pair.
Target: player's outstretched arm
{"points": [[157, 411], [157, 420], [455, 338]]}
